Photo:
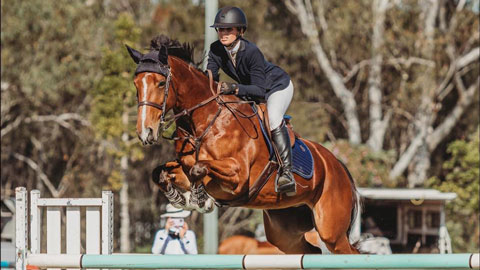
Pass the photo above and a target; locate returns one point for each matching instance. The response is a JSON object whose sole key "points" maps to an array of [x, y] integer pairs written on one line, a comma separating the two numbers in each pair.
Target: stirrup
{"points": [[290, 189]]}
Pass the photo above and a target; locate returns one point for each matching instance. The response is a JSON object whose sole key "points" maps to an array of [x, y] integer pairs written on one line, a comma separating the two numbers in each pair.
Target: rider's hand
{"points": [[183, 230], [229, 88]]}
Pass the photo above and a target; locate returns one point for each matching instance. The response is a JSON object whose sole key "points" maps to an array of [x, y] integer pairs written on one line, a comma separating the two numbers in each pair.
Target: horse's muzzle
{"points": [[147, 136]]}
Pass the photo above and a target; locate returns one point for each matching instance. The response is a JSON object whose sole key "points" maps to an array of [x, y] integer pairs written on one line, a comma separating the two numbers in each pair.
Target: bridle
{"points": [[162, 106], [167, 121]]}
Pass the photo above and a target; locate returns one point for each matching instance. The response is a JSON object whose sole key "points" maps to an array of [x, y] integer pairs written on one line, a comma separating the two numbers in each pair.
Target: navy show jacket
{"points": [[257, 77]]}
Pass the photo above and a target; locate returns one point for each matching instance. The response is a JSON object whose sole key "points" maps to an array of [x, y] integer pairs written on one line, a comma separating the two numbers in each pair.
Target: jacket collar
{"points": [[241, 51]]}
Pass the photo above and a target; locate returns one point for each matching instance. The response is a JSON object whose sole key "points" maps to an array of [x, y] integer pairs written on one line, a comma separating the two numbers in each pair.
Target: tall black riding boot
{"points": [[286, 182]]}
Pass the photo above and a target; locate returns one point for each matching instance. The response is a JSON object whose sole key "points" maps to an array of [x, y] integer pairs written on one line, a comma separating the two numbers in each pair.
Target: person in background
{"points": [[175, 238]]}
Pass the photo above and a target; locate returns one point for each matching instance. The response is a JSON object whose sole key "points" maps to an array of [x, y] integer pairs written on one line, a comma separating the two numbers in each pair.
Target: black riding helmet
{"points": [[230, 17]]}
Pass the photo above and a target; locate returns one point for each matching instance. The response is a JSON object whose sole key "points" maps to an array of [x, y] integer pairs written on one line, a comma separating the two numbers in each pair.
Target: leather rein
{"points": [[166, 122]]}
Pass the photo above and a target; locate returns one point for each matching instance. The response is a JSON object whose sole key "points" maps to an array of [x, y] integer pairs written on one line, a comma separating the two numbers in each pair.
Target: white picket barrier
{"points": [[98, 225]]}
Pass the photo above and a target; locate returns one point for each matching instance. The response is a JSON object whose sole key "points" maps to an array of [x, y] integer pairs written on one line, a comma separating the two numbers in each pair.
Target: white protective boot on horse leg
{"points": [[200, 199], [161, 177], [285, 183], [174, 196]]}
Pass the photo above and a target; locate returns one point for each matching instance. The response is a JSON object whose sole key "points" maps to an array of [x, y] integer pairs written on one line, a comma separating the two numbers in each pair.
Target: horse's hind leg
{"points": [[332, 219], [285, 228]]}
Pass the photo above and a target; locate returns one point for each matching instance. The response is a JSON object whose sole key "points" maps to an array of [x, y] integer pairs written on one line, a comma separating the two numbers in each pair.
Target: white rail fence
{"points": [[98, 225]]}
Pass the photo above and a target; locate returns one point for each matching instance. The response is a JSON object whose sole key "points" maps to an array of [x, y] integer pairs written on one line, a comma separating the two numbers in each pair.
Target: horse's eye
{"points": [[161, 84]]}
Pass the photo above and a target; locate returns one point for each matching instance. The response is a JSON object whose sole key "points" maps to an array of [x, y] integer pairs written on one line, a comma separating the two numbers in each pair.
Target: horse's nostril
{"points": [[150, 135]]}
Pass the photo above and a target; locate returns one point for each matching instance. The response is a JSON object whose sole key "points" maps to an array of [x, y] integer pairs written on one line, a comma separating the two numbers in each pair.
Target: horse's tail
{"points": [[356, 202]]}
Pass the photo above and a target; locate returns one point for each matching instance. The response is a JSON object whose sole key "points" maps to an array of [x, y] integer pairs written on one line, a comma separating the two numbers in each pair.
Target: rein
{"points": [[167, 121], [196, 141], [217, 96]]}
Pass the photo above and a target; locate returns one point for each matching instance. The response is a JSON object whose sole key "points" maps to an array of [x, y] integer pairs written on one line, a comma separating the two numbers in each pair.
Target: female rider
{"points": [[257, 79]]}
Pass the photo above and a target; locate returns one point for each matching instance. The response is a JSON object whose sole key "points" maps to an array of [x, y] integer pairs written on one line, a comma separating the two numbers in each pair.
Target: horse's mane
{"points": [[183, 51]]}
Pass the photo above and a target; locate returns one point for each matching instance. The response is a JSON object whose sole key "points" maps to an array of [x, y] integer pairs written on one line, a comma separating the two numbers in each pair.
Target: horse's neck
{"points": [[193, 89]]}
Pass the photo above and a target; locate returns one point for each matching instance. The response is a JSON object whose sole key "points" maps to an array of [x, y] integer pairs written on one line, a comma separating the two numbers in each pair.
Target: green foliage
{"points": [[50, 51], [309, 119], [126, 29], [463, 179], [114, 94], [368, 168], [49, 48]]}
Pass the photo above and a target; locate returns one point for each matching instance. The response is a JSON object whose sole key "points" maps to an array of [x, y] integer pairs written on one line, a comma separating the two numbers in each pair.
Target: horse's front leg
{"points": [[173, 182], [179, 190], [227, 170]]}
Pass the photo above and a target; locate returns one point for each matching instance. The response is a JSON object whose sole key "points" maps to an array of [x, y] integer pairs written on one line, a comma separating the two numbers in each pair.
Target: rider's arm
{"points": [[213, 65]]}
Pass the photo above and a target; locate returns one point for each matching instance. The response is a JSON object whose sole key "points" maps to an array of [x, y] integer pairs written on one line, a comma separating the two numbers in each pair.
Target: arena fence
{"points": [[99, 226]]}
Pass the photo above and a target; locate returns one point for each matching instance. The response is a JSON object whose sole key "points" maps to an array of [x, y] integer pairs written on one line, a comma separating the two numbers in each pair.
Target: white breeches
{"points": [[277, 105]]}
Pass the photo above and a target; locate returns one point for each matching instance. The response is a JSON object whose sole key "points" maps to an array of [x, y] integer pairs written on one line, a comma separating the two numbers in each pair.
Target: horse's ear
{"points": [[163, 55], [136, 55]]}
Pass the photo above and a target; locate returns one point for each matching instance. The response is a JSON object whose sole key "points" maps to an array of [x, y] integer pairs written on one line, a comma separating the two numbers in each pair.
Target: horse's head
{"points": [[153, 83]]}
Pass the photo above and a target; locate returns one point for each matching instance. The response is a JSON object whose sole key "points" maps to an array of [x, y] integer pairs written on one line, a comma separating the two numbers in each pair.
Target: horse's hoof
{"points": [[209, 205], [198, 171], [156, 174]]}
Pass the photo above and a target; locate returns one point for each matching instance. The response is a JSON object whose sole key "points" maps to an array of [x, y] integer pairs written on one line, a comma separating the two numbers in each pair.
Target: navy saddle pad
{"points": [[302, 159]]}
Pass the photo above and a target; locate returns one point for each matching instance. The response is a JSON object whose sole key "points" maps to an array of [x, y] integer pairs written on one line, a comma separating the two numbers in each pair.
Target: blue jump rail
{"points": [[5, 264], [300, 261]]}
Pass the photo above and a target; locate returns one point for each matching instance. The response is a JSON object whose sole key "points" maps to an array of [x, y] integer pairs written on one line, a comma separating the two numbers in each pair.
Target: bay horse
{"points": [[241, 244], [221, 154]]}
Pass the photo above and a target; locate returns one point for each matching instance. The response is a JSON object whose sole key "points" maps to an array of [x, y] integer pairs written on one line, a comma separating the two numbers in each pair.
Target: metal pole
{"points": [[211, 8], [210, 221], [210, 232]]}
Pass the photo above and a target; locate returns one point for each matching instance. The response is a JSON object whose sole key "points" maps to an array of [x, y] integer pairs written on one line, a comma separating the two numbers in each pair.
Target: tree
{"points": [[462, 178], [421, 73], [49, 54], [113, 102]]}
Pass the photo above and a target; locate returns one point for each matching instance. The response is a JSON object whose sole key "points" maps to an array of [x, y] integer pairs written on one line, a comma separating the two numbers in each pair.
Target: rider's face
{"points": [[227, 35]]}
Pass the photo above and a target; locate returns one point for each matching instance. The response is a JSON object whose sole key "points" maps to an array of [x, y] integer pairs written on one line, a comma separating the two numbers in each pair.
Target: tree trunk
{"points": [[304, 12], [417, 152], [425, 115], [378, 125], [424, 137]]}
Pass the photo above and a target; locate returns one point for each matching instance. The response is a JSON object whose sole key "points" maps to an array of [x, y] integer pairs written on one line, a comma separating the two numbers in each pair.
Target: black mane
{"points": [[175, 48]]}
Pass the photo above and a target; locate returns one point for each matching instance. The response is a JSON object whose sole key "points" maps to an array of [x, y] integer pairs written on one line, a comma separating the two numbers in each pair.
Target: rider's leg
{"points": [[277, 105], [285, 182]]}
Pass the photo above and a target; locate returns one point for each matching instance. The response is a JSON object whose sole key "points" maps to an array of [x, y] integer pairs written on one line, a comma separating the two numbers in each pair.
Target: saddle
{"points": [[302, 160], [262, 113]]}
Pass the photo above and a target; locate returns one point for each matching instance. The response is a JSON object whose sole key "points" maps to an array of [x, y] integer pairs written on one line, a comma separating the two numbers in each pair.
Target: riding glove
{"points": [[229, 88]]}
